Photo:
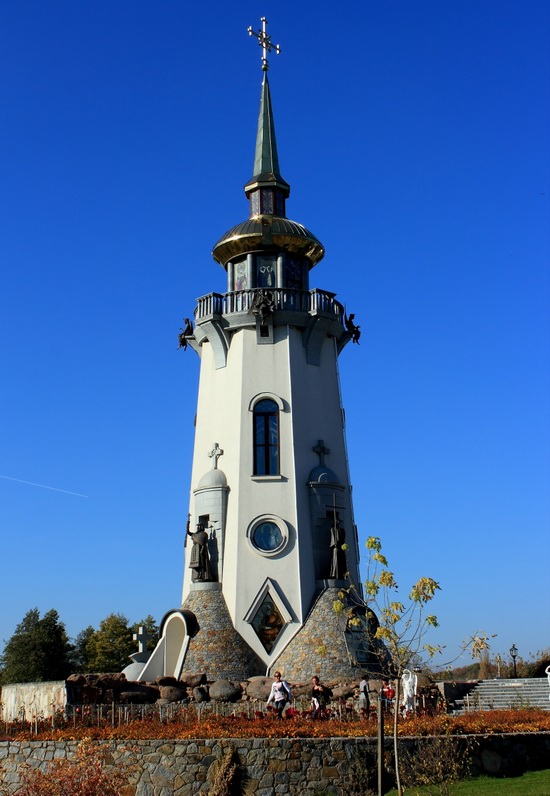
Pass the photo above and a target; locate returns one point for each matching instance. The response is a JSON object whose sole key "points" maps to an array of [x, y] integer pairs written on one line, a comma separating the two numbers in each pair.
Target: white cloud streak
{"points": [[43, 486]]}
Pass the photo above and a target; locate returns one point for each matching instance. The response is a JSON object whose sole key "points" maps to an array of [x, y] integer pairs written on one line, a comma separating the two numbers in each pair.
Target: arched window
{"points": [[266, 438]]}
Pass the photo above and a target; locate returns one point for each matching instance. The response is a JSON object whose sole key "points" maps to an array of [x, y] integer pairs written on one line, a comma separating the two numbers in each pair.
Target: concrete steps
{"points": [[528, 692]]}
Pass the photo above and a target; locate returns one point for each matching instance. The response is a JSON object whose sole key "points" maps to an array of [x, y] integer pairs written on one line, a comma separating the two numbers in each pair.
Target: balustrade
{"points": [[287, 299]]}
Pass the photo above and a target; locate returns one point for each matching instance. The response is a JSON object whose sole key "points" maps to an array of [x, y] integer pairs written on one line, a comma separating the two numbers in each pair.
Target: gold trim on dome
{"points": [[267, 230]]}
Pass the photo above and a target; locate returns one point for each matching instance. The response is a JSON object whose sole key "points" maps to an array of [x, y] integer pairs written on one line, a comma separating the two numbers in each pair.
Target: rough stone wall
{"points": [[180, 768], [319, 647], [217, 648], [305, 766], [33, 700]]}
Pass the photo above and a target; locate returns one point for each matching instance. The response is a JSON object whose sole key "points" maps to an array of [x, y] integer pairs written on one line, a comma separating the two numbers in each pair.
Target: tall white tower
{"points": [[270, 418], [271, 531]]}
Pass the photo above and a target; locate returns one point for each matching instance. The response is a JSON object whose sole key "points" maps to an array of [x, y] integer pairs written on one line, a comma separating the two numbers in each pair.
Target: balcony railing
{"points": [[312, 301]]}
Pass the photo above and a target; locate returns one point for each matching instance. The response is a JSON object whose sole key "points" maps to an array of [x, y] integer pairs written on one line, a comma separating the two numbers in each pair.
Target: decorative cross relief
{"points": [[142, 637], [215, 454], [264, 40], [321, 451]]}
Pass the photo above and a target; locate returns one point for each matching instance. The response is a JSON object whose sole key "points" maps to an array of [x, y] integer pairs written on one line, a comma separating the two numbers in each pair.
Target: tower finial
{"points": [[264, 40]]}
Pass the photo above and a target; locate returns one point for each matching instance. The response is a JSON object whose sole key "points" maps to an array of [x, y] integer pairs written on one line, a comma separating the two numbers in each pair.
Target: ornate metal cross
{"points": [[264, 40], [215, 454], [321, 451]]}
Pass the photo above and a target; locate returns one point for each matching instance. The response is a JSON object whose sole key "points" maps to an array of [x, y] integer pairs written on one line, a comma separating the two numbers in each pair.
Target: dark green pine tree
{"points": [[83, 650], [38, 651]]}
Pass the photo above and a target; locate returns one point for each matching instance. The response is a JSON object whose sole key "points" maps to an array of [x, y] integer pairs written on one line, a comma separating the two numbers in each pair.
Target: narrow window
{"points": [[266, 438]]}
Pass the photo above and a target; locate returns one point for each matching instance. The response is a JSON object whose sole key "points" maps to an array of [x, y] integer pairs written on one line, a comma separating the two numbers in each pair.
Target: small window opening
{"points": [[266, 438]]}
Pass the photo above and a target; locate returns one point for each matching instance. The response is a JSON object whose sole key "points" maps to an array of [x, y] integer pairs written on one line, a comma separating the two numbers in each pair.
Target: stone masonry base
{"points": [[305, 766]]}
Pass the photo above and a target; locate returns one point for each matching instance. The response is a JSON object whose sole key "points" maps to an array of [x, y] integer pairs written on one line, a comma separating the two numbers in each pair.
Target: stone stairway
{"points": [[528, 692]]}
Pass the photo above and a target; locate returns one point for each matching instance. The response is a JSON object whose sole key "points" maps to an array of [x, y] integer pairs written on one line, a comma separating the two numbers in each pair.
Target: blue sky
{"points": [[415, 139]]}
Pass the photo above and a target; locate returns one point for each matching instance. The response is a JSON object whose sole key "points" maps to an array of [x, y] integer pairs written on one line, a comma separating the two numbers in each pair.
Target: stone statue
{"points": [[352, 328], [200, 559], [338, 566], [547, 672], [262, 304], [409, 682], [185, 332]]}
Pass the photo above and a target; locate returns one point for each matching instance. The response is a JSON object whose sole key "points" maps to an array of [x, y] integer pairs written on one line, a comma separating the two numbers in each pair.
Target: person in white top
{"points": [[280, 694], [364, 698]]}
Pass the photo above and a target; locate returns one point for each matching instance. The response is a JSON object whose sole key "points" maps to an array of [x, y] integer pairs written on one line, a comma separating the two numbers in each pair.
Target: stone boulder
{"points": [[192, 680], [166, 679], [225, 691], [172, 693], [301, 690], [259, 687], [76, 679], [139, 694], [89, 695], [104, 679], [343, 691], [200, 694]]}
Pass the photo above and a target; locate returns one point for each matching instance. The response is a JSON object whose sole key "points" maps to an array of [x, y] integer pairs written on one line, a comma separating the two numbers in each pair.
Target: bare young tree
{"points": [[402, 625]]}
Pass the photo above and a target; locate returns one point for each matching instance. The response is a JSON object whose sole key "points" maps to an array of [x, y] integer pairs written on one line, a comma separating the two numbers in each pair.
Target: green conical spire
{"points": [[268, 227], [266, 160]]}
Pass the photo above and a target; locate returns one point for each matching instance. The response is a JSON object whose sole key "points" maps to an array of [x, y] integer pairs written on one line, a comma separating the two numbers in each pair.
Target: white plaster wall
{"points": [[318, 414], [312, 410], [37, 699]]}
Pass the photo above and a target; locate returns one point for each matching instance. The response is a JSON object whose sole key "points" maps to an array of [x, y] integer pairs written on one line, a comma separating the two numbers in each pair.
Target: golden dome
{"points": [[266, 231]]}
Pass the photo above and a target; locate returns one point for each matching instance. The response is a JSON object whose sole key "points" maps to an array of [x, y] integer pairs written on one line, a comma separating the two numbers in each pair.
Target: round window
{"points": [[267, 536]]}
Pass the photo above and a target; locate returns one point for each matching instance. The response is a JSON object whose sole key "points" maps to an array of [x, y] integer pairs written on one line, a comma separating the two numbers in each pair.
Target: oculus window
{"points": [[267, 537]]}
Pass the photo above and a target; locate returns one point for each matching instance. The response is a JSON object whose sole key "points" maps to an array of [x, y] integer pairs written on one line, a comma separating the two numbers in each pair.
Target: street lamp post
{"points": [[514, 654]]}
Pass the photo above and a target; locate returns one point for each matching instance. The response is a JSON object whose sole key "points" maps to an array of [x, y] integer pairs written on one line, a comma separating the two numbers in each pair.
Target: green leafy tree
{"points": [[38, 651], [108, 648]]}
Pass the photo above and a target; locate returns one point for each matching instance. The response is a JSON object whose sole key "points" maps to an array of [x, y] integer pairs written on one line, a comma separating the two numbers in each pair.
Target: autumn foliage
{"points": [[240, 726], [89, 773]]}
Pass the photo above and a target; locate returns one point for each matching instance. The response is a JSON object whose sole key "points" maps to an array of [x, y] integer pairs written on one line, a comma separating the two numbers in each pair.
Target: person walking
{"points": [[280, 694], [388, 694], [364, 698], [319, 697]]}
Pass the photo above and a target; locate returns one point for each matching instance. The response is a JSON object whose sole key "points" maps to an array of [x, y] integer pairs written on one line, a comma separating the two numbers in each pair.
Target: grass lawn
{"points": [[534, 783]]}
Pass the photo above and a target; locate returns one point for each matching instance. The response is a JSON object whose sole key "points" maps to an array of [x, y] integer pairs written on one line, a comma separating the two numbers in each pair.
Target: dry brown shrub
{"points": [[91, 772], [226, 776], [436, 764]]}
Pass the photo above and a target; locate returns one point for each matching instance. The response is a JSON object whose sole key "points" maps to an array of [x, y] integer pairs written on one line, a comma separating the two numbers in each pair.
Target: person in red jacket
{"points": [[388, 693]]}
